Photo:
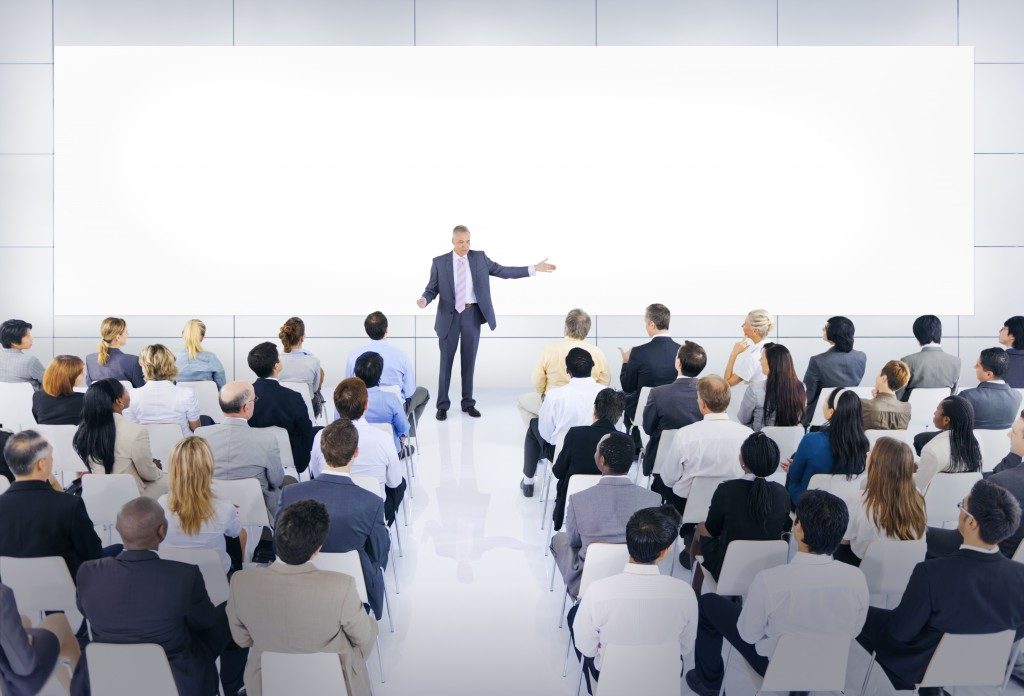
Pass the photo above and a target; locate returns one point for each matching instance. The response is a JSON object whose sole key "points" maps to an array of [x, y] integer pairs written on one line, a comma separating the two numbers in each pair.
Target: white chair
{"points": [[638, 417], [138, 668], [390, 430], [602, 561], [41, 585], [803, 663], [284, 446], [837, 484], [4, 484], [819, 408], [66, 462], [247, 496], [922, 405], [944, 493], [104, 496], [209, 564], [577, 483], [319, 674], [208, 396], [743, 560], [371, 484], [905, 436], [698, 502], [302, 389], [735, 400], [887, 566], [16, 406], [994, 444], [624, 668], [1018, 555], [162, 439], [664, 447], [786, 437]]}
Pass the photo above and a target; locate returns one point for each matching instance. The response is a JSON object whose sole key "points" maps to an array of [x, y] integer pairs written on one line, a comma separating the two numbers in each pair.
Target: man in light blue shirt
{"points": [[382, 406]]}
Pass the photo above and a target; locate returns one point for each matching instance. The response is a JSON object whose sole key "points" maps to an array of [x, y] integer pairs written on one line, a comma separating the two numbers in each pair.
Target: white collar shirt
{"points": [[566, 407], [979, 549], [456, 260], [709, 447], [161, 401], [747, 365], [377, 456], [863, 529]]}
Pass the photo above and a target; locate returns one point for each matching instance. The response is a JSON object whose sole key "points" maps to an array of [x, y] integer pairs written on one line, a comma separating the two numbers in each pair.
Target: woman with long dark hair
{"points": [[778, 400], [839, 448], [954, 450]]}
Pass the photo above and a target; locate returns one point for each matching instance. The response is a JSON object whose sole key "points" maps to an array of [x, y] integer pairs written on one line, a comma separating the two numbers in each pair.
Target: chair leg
{"points": [[394, 573], [544, 512], [380, 660], [398, 536], [405, 507], [1014, 652], [554, 568], [387, 608], [867, 676], [579, 685], [408, 472], [561, 615], [568, 649]]}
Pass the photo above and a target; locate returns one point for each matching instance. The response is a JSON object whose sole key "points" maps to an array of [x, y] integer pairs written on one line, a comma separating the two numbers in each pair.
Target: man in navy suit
{"points": [[651, 364], [462, 280], [995, 403], [279, 405], [357, 515]]}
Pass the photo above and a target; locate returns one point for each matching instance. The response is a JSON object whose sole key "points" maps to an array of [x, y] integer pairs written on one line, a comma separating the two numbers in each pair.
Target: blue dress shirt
{"points": [[204, 367], [385, 407], [397, 372]]}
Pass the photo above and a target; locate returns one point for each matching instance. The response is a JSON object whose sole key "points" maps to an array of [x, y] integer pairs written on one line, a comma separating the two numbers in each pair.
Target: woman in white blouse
{"points": [[196, 518], [160, 400], [954, 450], [745, 359]]}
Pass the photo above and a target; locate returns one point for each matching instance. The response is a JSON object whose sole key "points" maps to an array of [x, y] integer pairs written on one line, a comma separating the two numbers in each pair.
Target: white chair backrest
{"points": [[319, 674], [106, 494], [302, 389], [994, 444], [624, 668], [392, 388], [603, 560], [126, 384], [4, 484], [943, 494], [922, 405], [162, 439], [638, 417], [1018, 555], [887, 566], [135, 668], [66, 462], [664, 447], [735, 400], [41, 584], [385, 427], [247, 496], [745, 559], [819, 409], [209, 564], [16, 406], [786, 437], [347, 563], [969, 660], [807, 663], [906, 436], [837, 484], [581, 482], [369, 483], [284, 445], [699, 500], [209, 401]]}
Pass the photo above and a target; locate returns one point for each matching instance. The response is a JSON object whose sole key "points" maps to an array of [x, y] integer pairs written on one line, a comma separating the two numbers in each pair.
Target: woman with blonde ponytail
{"points": [[109, 361], [194, 363]]}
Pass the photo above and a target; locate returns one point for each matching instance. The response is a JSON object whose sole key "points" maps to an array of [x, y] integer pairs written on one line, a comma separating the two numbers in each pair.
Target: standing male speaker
{"points": [[462, 279]]}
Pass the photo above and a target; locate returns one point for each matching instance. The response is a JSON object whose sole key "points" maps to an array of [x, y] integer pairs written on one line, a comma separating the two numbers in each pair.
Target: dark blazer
{"points": [[139, 597], [120, 366], [357, 524], [27, 656], [996, 406], [57, 410], [1015, 370], [831, 369], [442, 282], [278, 405], [729, 519], [651, 364], [576, 457], [1011, 477], [37, 521], [669, 406]]}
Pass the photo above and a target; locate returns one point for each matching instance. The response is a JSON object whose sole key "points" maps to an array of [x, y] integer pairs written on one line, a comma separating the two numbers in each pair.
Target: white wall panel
{"points": [[970, 349], [503, 23], [997, 293], [26, 200], [867, 326], [998, 200], [994, 27], [324, 22], [26, 108], [28, 287], [999, 108], [867, 22], [142, 22], [143, 327], [25, 31], [686, 22]]}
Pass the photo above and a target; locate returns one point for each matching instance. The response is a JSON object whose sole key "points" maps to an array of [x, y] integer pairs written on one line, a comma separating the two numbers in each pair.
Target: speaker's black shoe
{"points": [[471, 410], [526, 488], [441, 414]]}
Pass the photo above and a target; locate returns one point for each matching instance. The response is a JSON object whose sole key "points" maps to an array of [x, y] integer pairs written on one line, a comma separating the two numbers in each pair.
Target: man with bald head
{"points": [[241, 452]]}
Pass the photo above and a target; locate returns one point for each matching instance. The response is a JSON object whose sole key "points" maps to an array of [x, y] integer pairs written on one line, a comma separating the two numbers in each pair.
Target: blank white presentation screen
{"points": [[316, 180]]}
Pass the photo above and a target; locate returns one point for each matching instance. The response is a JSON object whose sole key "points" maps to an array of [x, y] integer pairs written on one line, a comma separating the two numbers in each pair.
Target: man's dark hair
{"points": [[339, 442], [301, 529], [609, 405], [658, 315], [650, 531], [617, 449], [376, 325], [12, 331], [23, 450], [839, 330], [692, 358], [262, 359], [928, 329], [995, 510], [1015, 327], [994, 360], [350, 398], [824, 518], [369, 367], [579, 363]]}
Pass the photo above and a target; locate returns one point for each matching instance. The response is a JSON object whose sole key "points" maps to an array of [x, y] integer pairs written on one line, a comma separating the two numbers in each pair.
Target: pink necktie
{"points": [[460, 285]]}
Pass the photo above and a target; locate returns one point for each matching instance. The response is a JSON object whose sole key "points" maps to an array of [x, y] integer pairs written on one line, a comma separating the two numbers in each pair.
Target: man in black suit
{"points": [[579, 448], [36, 518], [974, 590], [674, 405], [278, 405], [139, 597], [651, 364], [357, 515], [462, 280], [995, 403]]}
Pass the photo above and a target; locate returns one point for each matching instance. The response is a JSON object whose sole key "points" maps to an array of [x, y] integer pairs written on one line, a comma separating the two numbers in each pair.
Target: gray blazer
{"points": [[931, 368], [241, 452], [996, 406], [831, 369]]}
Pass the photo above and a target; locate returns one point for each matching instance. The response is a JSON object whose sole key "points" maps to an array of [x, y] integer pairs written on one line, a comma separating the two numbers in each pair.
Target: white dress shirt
{"points": [[639, 607], [225, 522], [747, 365], [377, 456], [566, 407], [161, 401], [862, 529], [811, 595], [709, 447]]}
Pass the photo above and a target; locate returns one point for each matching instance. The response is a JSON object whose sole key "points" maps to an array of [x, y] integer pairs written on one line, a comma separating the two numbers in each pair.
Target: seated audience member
{"points": [[357, 515], [382, 406], [840, 448], [111, 444], [974, 590], [565, 407], [931, 367], [15, 364], [240, 451], [196, 517], [194, 363], [291, 606], [29, 656], [709, 447], [580, 445], [889, 507], [1013, 459], [744, 363], [37, 520], [376, 456], [549, 373], [1012, 336], [640, 606], [398, 370], [779, 399], [600, 513], [57, 403], [884, 411], [811, 595], [748, 508], [954, 449], [110, 361], [839, 366], [174, 611], [650, 364], [160, 400], [995, 403], [672, 406], [299, 365], [278, 405]]}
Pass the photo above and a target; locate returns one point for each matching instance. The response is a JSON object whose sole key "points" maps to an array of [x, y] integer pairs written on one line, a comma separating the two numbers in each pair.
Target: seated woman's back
{"points": [[840, 448], [160, 400], [298, 365], [954, 449], [57, 403], [110, 361], [195, 364]]}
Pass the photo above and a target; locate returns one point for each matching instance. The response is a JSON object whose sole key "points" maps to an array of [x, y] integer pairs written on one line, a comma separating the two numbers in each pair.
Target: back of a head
{"points": [[650, 531], [339, 442], [375, 325], [300, 531], [692, 358], [928, 329], [846, 439], [577, 324], [617, 451], [158, 363], [714, 392], [760, 454], [896, 374], [190, 483], [785, 397], [823, 518], [262, 358], [61, 374], [350, 398], [994, 360], [94, 438], [890, 495], [609, 405], [658, 315], [1015, 326], [995, 510], [138, 523], [192, 336], [12, 331], [291, 334], [839, 330], [110, 329], [233, 396], [761, 322], [964, 450], [369, 367], [22, 451], [579, 363]]}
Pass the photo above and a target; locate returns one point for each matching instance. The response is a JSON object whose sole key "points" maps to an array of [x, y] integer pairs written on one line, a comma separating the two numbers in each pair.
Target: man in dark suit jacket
{"points": [[462, 279], [995, 403], [650, 364], [975, 590], [139, 597], [357, 515], [674, 405], [279, 405], [839, 366], [36, 518]]}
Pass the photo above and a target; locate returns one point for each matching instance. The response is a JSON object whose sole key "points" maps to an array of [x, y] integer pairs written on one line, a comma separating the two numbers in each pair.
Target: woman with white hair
{"points": [[745, 359]]}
